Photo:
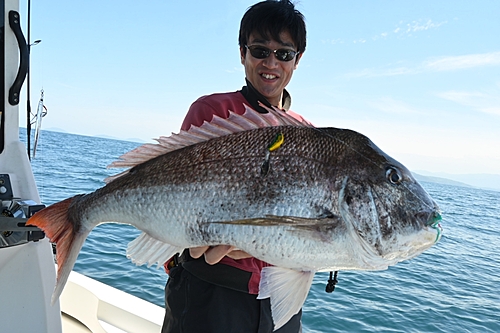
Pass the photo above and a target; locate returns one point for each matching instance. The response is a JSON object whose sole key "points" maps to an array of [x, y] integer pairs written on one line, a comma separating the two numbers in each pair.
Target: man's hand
{"points": [[214, 254]]}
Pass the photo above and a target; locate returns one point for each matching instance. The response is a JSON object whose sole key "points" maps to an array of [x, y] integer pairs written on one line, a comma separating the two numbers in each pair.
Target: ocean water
{"points": [[453, 287]]}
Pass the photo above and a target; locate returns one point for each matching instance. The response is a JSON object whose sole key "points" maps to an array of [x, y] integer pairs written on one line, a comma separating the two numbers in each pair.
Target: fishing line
{"points": [[41, 111]]}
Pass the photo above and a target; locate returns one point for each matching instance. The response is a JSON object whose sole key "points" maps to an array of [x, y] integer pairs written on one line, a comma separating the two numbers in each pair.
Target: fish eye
{"points": [[393, 176]]}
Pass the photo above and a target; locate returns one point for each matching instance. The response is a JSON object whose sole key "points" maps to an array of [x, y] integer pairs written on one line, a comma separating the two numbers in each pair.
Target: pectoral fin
{"points": [[287, 290], [294, 221], [146, 249], [321, 227]]}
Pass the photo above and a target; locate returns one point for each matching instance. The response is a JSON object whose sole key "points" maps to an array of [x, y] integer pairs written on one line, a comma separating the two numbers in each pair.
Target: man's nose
{"points": [[271, 61]]}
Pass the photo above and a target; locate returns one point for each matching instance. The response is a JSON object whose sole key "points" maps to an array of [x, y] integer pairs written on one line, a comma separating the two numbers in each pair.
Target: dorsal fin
{"points": [[217, 127]]}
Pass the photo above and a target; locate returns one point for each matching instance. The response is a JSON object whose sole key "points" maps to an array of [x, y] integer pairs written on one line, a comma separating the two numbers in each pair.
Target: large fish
{"points": [[303, 199]]}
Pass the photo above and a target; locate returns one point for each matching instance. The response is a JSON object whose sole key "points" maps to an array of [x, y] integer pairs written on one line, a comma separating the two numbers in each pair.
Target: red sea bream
{"points": [[301, 198]]}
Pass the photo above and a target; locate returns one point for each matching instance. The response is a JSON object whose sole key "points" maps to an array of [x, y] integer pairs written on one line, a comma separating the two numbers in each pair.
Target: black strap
{"points": [[332, 281]]}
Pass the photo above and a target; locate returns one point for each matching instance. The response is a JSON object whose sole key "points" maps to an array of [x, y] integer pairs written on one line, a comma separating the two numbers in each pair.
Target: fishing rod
{"points": [[28, 86], [28, 98]]}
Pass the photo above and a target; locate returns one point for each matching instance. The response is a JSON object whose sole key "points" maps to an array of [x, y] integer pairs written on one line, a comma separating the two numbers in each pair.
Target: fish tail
{"points": [[54, 221]]}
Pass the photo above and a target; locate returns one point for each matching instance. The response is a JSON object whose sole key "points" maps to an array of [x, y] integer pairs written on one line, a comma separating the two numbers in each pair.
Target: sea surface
{"points": [[453, 287]]}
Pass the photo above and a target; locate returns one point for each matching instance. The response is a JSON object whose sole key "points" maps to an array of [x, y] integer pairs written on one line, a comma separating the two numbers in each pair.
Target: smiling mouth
{"points": [[268, 76]]}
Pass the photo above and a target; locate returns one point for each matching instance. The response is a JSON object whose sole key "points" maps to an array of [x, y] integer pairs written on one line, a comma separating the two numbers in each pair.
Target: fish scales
{"points": [[192, 187], [223, 178], [303, 199]]}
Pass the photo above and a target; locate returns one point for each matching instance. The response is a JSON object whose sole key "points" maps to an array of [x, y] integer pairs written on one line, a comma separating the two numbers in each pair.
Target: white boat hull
{"points": [[104, 309], [27, 283]]}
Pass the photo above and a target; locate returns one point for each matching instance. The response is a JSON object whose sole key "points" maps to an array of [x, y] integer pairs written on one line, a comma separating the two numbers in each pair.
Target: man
{"points": [[214, 289]]}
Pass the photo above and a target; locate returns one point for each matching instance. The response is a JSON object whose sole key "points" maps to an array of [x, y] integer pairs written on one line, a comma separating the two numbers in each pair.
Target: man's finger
{"points": [[238, 254], [215, 254], [196, 252]]}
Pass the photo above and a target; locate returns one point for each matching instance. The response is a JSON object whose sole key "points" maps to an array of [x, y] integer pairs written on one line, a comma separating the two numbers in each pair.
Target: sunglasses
{"points": [[261, 52]]}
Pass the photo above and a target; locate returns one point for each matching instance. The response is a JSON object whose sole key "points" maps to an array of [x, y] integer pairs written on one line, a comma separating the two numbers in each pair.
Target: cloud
{"points": [[441, 64], [402, 30], [462, 62], [480, 101], [360, 41], [392, 106], [378, 72], [235, 70], [333, 41], [416, 26]]}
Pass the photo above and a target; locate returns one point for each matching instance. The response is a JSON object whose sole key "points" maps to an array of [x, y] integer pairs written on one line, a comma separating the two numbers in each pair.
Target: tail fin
{"points": [[68, 236]]}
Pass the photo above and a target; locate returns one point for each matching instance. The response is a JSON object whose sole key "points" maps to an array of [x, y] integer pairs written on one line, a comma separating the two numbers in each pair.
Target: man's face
{"points": [[270, 75]]}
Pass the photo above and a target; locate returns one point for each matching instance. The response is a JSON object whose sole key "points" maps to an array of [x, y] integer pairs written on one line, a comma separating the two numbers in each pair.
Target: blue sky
{"points": [[420, 78]]}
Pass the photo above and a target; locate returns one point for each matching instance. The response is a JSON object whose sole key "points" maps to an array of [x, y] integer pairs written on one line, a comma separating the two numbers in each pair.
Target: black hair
{"points": [[270, 18]]}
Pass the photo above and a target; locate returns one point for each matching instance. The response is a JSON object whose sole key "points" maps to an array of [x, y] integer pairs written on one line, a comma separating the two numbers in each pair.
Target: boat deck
{"points": [[89, 306]]}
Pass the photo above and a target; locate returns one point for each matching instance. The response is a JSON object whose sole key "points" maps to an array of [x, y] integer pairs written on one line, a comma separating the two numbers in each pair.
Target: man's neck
{"points": [[254, 97]]}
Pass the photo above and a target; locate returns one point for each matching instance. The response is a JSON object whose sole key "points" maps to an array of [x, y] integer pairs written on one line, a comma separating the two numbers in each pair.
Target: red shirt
{"points": [[205, 107]]}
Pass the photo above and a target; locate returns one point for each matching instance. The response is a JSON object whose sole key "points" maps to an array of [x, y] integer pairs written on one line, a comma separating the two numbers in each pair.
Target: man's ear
{"points": [[297, 60], [242, 54]]}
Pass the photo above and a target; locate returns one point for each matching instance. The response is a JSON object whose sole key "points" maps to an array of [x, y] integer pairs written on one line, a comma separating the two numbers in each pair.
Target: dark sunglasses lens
{"points": [[285, 55], [259, 52]]}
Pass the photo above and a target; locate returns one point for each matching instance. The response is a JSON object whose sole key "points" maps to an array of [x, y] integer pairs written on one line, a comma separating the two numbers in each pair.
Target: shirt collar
{"points": [[254, 97]]}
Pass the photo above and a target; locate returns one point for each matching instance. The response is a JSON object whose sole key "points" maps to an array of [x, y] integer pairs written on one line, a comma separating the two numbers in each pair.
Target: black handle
{"points": [[15, 25]]}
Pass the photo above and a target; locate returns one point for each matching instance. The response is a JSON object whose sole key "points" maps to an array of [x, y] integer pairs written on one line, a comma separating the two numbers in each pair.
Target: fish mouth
{"points": [[428, 217], [433, 223]]}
